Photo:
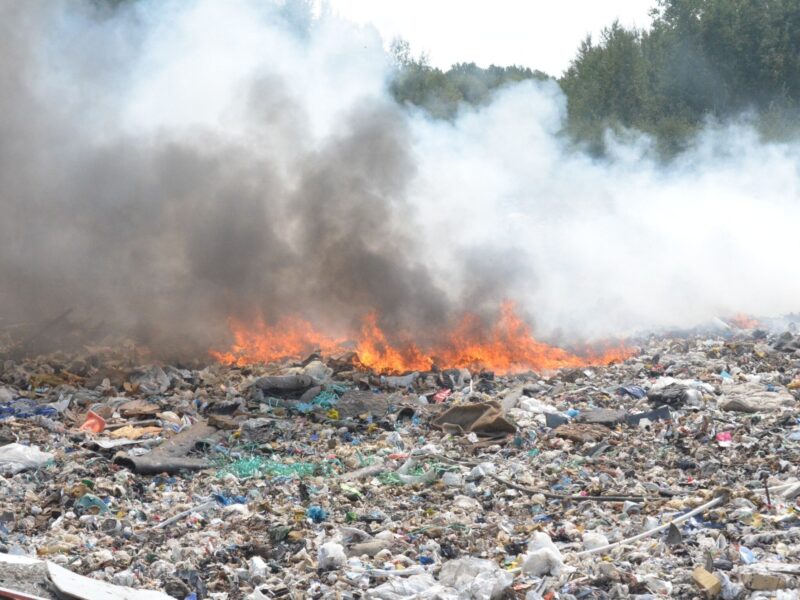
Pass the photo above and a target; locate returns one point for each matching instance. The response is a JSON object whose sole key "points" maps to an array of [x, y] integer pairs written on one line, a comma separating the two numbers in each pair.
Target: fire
{"points": [[289, 337], [507, 346], [743, 321], [375, 351]]}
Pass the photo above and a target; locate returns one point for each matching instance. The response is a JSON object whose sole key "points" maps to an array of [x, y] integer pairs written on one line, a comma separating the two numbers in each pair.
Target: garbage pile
{"points": [[673, 474]]}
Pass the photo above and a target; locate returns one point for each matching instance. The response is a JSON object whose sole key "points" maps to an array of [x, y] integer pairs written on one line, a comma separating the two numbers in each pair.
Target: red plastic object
{"points": [[94, 423]]}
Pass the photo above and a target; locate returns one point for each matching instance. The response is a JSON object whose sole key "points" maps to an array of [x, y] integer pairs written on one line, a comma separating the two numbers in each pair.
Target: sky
{"points": [[532, 33]]}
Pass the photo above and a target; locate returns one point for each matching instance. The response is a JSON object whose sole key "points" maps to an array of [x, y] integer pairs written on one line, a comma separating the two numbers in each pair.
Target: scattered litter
{"points": [[674, 473], [94, 423], [15, 458], [331, 556]]}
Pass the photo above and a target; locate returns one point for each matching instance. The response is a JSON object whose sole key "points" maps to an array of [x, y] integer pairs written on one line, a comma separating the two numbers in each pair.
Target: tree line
{"points": [[699, 60]]}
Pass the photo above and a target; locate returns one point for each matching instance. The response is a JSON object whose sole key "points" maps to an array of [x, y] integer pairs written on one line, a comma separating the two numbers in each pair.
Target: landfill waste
{"points": [[475, 578], [710, 585], [331, 555], [94, 423], [671, 474], [17, 457], [41, 578], [484, 418], [544, 557]]}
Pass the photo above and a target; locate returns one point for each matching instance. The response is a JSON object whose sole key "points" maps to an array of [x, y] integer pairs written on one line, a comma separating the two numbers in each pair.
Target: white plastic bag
{"points": [[544, 558], [475, 578], [331, 555], [16, 457], [416, 587]]}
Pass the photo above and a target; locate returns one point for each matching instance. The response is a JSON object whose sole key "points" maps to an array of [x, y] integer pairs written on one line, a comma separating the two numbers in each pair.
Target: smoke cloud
{"points": [[172, 164], [626, 244]]}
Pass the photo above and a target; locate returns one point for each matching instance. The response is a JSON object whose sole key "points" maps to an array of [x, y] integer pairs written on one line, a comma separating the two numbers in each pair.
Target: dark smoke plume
{"points": [[167, 234]]}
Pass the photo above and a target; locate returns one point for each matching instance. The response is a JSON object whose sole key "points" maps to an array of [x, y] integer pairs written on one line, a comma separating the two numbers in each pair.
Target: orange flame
{"points": [[506, 347], [375, 351], [743, 321], [290, 337]]}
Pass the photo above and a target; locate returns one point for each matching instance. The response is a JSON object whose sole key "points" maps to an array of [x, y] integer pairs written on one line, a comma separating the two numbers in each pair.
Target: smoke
{"points": [[170, 165], [177, 164], [620, 245]]}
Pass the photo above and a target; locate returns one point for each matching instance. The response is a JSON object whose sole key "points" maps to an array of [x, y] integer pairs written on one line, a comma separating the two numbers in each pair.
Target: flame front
{"points": [[507, 346], [377, 353], [743, 321], [290, 337]]}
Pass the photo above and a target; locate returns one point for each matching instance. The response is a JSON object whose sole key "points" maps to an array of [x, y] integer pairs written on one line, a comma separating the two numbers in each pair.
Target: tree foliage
{"points": [[699, 60], [441, 93]]}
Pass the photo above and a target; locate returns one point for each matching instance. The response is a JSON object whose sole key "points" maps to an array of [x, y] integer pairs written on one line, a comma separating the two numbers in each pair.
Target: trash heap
{"points": [[673, 474]]}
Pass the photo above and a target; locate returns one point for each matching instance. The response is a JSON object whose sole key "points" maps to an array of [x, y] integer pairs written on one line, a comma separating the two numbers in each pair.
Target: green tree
{"points": [[442, 93], [700, 59], [608, 85]]}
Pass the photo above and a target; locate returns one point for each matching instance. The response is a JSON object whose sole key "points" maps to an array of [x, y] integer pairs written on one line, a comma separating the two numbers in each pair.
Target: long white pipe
{"points": [[720, 499]]}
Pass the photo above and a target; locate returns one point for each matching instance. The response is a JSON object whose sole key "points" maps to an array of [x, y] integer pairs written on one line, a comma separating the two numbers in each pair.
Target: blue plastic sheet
{"points": [[25, 408]]}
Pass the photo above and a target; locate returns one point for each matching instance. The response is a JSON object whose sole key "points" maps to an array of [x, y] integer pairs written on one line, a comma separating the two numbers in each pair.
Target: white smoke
{"points": [[609, 247]]}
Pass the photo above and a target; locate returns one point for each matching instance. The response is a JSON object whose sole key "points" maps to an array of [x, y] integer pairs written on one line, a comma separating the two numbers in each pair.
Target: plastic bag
{"points": [[475, 578], [416, 587], [15, 458]]}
